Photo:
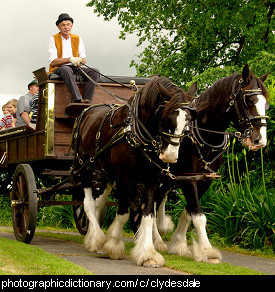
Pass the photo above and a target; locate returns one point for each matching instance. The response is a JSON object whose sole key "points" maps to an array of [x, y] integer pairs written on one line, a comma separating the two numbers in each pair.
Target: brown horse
{"points": [[241, 99], [128, 144]]}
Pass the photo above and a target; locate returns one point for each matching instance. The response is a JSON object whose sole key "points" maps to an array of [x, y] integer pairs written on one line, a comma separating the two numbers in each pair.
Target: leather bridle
{"points": [[245, 119]]}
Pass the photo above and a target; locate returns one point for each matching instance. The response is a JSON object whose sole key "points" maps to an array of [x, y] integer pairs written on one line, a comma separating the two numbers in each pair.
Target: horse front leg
{"points": [[144, 252], [202, 250], [95, 237]]}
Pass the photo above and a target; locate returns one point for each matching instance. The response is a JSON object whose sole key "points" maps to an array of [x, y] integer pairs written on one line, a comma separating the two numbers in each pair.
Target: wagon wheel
{"points": [[24, 203], [81, 221]]}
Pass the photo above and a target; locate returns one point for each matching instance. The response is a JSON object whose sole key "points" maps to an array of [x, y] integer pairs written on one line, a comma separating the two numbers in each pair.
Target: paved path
{"points": [[102, 265], [97, 264]]}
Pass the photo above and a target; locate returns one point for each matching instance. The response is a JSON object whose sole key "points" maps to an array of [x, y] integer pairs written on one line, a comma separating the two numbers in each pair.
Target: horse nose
{"points": [[166, 158]]}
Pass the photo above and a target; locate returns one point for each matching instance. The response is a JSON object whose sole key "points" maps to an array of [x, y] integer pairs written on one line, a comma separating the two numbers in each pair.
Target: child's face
{"points": [[5, 110], [11, 109]]}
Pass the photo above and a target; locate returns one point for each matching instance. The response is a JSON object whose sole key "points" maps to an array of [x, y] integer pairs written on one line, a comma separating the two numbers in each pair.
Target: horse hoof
{"points": [[150, 264], [213, 261]]}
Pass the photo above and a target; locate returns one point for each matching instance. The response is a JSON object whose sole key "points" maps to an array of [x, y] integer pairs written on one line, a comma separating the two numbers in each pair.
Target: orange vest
{"points": [[58, 44]]}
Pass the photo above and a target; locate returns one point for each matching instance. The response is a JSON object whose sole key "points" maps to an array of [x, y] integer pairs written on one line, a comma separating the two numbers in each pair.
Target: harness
{"points": [[137, 135], [131, 129], [245, 119], [78, 163]]}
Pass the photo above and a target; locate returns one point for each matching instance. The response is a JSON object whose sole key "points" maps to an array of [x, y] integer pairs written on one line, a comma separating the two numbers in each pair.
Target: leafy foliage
{"points": [[184, 38]]}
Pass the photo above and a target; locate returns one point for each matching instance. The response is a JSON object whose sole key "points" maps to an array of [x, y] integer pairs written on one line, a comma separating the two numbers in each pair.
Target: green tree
{"points": [[186, 37]]}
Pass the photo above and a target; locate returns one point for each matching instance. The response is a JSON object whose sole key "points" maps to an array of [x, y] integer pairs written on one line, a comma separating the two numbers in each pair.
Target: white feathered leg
{"points": [[158, 242], [164, 222], [202, 250], [101, 201], [178, 242], [144, 252], [114, 245], [95, 237]]}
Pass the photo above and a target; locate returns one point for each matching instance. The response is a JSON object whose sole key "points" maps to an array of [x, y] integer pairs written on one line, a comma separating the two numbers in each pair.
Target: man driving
{"points": [[66, 52]]}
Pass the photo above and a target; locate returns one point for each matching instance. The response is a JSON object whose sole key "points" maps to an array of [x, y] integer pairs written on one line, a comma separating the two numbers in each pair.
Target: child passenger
{"points": [[9, 111], [5, 109]]}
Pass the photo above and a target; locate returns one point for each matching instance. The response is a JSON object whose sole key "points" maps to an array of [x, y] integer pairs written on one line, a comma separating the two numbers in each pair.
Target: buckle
{"points": [[238, 134]]}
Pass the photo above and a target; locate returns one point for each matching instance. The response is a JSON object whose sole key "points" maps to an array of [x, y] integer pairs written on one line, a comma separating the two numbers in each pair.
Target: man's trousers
{"points": [[68, 73]]}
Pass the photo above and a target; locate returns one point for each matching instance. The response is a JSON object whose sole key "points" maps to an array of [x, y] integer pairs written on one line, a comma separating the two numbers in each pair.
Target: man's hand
{"points": [[76, 61]]}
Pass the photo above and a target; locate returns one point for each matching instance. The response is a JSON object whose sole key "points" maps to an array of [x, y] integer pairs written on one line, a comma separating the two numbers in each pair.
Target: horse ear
{"points": [[193, 89], [245, 73], [164, 92], [263, 78]]}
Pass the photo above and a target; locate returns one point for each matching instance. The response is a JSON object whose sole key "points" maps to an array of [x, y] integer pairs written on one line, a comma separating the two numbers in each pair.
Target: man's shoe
{"points": [[79, 101], [87, 101]]}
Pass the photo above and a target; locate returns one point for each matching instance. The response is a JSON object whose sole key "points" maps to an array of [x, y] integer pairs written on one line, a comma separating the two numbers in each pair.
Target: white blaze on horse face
{"points": [[260, 106], [258, 139], [171, 153]]}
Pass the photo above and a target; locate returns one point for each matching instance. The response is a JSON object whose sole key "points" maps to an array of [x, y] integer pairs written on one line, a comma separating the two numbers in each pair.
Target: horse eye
{"points": [[249, 101]]}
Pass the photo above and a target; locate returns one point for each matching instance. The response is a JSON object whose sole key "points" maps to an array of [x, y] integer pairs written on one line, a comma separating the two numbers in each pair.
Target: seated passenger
{"points": [[5, 109], [12, 104], [24, 105], [9, 109], [66, 52], [34, 108]]}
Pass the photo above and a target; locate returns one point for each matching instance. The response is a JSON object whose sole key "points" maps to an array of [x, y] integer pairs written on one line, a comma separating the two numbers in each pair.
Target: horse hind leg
{"points": [[164, 221], [95, 237], [144, 253], [178, 243], [114, 245], [158, 242], [100, 202], [202, 250]]}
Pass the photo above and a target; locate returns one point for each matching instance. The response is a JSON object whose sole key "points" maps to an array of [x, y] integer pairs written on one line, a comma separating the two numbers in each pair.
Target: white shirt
{"points": [[67, 51]]}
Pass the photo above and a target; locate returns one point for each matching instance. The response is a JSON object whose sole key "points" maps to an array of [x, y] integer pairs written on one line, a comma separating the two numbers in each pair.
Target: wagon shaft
{"points": [[61, 187]]}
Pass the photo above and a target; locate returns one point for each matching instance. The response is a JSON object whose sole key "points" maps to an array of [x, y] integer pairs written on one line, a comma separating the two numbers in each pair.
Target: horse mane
{"points": [[150, 95], [150, 92], [214, 97]]}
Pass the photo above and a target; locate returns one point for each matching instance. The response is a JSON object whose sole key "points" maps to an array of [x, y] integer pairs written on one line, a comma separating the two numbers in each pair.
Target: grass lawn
{"points": [[18, 258]]}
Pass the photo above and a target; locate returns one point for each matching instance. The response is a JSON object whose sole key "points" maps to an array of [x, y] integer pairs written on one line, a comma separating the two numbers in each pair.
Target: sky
{"points": [[26, 26]]}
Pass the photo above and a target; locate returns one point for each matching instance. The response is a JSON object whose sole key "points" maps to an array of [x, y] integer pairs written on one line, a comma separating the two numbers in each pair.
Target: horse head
{"points": [[251, 105], [175, 116]]}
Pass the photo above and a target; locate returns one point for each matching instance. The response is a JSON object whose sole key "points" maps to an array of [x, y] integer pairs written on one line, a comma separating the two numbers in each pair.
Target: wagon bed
{"points": [[51, 139]]}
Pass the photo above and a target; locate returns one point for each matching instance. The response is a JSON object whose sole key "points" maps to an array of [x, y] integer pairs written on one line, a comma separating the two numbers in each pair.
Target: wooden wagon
{"points": [[27, 155]]}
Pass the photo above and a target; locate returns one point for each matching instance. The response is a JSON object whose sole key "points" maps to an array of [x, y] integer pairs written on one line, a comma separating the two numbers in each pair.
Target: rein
{"points": [[118, 98], [108, 77]]}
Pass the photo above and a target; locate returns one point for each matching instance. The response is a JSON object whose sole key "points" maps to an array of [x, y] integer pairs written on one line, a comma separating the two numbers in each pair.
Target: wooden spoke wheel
{"points": [[81, 221], [24, 203]]}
